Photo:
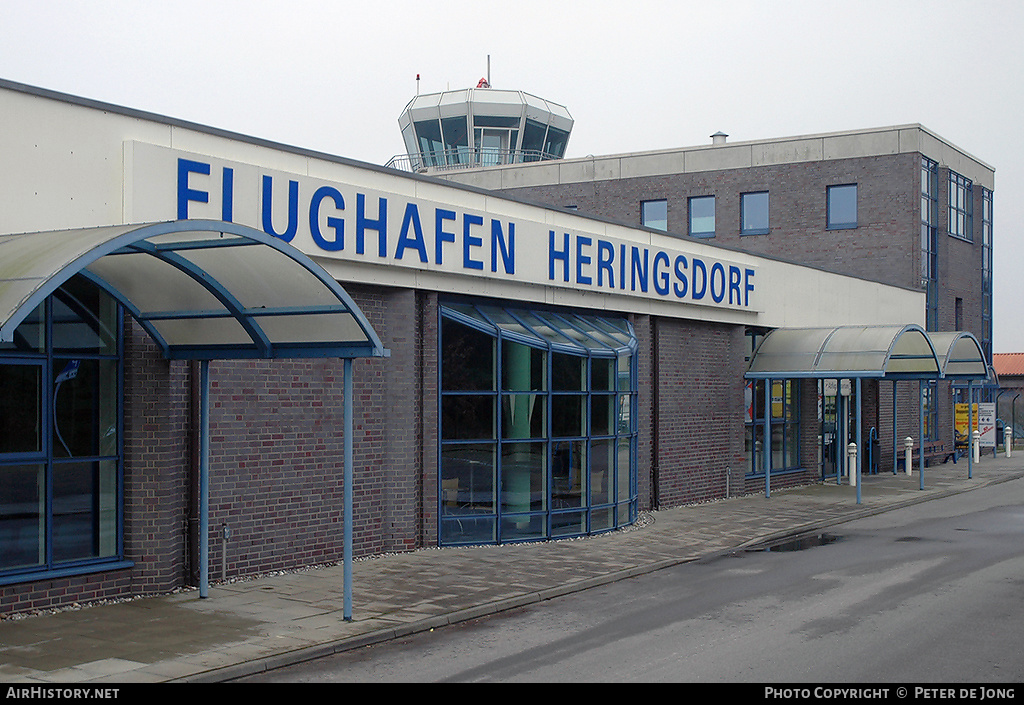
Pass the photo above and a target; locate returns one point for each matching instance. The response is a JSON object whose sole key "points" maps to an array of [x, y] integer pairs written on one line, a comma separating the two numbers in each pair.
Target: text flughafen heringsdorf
{"points": [[348, 221], [916, 692]]}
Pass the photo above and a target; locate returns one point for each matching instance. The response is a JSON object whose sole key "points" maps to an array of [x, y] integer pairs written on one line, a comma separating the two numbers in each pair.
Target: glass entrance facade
{"points": [[538, 424], [60, 436]]}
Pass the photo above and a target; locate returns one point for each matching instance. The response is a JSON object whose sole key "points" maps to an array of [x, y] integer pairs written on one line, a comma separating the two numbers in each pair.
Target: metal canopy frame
{"points": [[204, 290], [892, 353]]}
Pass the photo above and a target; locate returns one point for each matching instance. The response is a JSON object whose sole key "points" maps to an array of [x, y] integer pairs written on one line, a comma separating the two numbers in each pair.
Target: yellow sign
{"points": [[962, 419]]}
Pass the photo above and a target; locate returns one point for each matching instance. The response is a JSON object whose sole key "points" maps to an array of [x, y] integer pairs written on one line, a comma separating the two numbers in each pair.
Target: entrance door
{"points": [[838, 425]]}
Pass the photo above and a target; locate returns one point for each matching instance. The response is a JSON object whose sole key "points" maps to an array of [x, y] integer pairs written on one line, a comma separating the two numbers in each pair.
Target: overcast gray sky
{"points": [[644, 74]]}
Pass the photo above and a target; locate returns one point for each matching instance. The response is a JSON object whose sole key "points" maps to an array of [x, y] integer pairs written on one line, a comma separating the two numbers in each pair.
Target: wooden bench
{"points": [[932, 451]]}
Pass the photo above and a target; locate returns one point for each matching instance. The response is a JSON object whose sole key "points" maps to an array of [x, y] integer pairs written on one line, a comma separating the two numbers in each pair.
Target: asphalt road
{"points": [[933, 593]]}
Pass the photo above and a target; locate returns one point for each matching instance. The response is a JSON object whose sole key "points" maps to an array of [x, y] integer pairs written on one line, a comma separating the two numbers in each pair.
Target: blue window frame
{"points": [[961, 207], [986, 273], [841, 206], [537, 424], [929, 242], [754, 213], [60, 437], [702, 216], [654, 214]]}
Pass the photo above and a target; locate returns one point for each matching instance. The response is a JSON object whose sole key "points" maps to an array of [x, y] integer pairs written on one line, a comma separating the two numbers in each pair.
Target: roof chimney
{"points": [[718, 137]]}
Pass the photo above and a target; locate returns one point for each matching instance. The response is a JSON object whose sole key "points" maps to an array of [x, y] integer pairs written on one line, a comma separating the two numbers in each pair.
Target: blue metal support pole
{"points": [[766, 446], [347, 555], [204, 478], [920, 438], [860, 446], [895, 440], [970, 430]]}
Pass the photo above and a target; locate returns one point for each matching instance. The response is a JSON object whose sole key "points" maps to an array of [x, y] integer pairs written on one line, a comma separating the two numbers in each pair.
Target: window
{"points": [[785, 421], [961, 207], [60, 453], [654, 214], [986, 272], [929, 396], [929, 245], [842, 206], [538, 425], [431, 147], [754, 213], [785, 425], [702, 216]]}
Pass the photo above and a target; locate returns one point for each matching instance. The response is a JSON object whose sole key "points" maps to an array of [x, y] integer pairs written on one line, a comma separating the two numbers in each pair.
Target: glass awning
{"points": [[960, 355], [880, 352], [578, 334], [202, 289]]}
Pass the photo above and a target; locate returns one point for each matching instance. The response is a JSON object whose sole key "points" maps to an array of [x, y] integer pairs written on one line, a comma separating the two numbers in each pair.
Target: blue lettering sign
{"points": [[680, 267], [411, 219], [293, 209], [661, 279], [582, 260], [554, 254], [227, 195], [507, 247], [717, 282], [470, 241], [441, 235], [380, 224], [336, 224], [698, 293], [185, 193], [605, 257]]}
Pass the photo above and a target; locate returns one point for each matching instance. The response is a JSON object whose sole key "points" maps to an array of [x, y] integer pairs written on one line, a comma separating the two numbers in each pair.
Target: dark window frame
{"points": [[832, 223], [651, 222], [755, 228], [689, 208]]}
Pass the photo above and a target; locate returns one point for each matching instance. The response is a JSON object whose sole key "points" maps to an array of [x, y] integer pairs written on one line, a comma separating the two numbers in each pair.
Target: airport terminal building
{"points": [[221, 356]]}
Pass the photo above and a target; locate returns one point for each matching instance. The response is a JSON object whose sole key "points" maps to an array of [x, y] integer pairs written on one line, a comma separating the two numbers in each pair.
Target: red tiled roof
{"points": [[1008, 364]]}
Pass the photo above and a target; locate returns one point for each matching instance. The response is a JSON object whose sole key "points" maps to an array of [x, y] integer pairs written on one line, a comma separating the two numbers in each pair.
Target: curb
{"points": [[309, 653]]}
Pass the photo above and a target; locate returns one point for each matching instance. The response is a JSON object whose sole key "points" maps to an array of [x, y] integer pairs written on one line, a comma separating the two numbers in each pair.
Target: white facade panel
{"points": [[71, 166]]}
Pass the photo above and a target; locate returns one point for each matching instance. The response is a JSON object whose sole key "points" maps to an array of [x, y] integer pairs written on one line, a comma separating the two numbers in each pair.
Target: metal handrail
{"points": [[465, 158]]}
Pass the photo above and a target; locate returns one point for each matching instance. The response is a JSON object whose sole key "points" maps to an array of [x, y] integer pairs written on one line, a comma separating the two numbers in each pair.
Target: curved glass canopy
{"points": [[960, 355], [202, 289], [889, 352]]}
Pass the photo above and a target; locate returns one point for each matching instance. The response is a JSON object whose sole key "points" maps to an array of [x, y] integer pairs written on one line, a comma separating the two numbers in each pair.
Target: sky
{"points": [[334, 75]]}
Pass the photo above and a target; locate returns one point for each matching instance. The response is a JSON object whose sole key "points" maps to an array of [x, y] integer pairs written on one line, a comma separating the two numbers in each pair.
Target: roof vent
{"points": [[718, 137]]}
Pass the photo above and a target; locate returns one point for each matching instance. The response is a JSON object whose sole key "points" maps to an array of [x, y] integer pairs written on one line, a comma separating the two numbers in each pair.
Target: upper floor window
{"points": [[702, 216], [961, 207], [654, 214], [842, 206], [754, 213]]}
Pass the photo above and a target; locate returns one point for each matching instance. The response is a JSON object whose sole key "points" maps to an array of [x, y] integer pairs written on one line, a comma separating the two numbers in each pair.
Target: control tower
{"points": [[480, 126]]}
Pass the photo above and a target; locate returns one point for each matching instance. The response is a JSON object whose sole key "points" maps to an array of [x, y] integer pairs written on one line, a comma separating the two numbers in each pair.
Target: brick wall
{"points": [[883, 247], [698, 410]]}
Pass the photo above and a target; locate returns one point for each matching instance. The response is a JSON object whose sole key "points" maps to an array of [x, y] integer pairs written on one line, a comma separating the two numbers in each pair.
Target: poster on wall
{"points": [[984, 422], [987, 424], [962, 419]]}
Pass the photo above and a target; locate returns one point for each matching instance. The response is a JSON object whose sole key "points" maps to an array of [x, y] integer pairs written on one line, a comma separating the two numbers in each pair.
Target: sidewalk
{"points": [[251, 626]]}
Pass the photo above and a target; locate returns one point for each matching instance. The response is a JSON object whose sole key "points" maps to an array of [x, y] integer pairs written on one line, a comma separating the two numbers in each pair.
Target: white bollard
{"points": [[908, 447], [851, 450], [976, 445], [1008, 441]]}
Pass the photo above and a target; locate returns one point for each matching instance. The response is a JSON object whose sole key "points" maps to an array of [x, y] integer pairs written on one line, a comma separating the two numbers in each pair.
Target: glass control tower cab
{"points": [[480, 126]]}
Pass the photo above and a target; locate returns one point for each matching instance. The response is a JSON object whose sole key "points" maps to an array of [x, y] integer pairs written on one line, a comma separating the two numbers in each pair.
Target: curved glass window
{"points": [[538, 429], [60, 436]]}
